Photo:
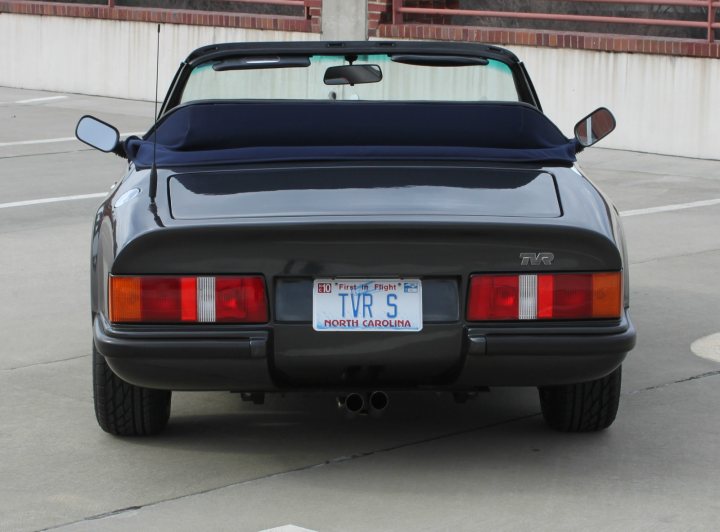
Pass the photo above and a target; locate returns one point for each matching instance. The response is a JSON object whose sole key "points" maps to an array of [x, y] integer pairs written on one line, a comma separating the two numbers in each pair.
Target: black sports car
{"points": [[356, 217]]}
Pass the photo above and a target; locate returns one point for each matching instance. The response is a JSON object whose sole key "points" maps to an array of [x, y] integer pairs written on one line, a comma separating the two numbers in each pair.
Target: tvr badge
{"points": [[537, 259]]}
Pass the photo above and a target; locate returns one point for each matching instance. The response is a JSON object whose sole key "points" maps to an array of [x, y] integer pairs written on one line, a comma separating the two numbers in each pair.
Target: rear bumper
{"points": [[452, 357]]}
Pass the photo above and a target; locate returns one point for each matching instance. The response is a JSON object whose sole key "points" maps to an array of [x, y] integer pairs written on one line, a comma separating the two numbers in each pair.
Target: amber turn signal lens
{"points": [[607, 295], [125, 299]]}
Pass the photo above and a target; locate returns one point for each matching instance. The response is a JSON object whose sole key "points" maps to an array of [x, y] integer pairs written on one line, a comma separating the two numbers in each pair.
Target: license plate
{"points": [[367, 305]]}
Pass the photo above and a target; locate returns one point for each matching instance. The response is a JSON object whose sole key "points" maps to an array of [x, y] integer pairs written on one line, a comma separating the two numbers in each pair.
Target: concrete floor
{"points": [[428, 464]]}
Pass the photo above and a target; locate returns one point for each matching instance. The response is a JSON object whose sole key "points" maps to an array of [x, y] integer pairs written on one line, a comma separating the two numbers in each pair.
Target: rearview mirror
{"points": [[352, 74], [594, 127], [98, 134]]}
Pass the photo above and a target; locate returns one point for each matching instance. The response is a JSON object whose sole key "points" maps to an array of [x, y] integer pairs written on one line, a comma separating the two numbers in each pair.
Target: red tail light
{"points": [[567, 296], [561, 296], [493, 297], [240, 299], [165, 299]]}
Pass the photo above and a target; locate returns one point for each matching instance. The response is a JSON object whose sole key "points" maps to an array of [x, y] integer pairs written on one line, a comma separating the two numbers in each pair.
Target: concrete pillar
{"points": [[344, 20]]}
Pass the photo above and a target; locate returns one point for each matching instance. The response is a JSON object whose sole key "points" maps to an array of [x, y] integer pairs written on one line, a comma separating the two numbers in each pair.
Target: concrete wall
{"points": [[344, 20], [663, 104], [102, 57]]}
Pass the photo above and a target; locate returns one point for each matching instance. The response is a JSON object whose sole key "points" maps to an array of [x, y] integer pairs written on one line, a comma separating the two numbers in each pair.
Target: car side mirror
{"points": [[98, 134], [594, 127]]}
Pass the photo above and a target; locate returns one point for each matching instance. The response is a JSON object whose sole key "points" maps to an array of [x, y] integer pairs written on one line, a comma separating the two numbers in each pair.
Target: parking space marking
{"points": [[44, 99], [50, 141], [707, 347], [288, 528], [52, 200], [635, 212], [669, 208], [41, 141]]}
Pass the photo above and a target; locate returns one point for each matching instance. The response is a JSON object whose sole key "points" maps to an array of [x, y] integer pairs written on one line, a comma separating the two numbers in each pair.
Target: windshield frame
{"points": [[378, 77], [523, 86]]}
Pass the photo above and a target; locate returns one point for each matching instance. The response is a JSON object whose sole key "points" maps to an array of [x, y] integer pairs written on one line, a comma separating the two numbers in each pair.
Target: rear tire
{"points": [[584, 407], [123, 409]]}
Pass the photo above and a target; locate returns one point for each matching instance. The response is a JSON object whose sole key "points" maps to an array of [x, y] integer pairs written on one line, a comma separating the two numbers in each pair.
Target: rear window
{"points": [[401, 81]]}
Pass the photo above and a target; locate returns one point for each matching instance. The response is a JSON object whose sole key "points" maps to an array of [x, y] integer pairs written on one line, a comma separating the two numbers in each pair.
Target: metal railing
{"points": [[298, 3], [303, 13], [281, 15], [399, 9]]}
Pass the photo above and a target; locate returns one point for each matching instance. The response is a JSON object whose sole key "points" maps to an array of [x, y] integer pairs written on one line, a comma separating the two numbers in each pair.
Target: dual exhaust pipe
{"points": [[373, 403]]}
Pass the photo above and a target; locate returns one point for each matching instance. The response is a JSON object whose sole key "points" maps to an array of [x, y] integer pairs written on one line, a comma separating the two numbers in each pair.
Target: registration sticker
{"points": [[367, 305]]}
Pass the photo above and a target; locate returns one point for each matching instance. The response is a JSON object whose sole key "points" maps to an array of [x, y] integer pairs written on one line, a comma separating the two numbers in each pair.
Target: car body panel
{"points": [[391, 192]]}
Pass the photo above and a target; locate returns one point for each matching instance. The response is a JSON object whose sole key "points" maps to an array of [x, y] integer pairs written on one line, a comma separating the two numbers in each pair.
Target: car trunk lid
{"points": [[362, 190]]}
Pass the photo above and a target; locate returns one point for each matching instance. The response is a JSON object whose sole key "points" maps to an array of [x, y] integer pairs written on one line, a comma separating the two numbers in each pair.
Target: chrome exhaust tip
{"points": [[354, 403], [379, 401]]}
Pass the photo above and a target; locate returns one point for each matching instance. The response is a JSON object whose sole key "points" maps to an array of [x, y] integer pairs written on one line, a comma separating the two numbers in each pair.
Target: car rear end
{"points": [[396, 276]]}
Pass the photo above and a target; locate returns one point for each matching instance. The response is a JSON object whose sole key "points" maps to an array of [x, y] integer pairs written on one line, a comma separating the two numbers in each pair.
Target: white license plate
{"points": [[367, 305]]}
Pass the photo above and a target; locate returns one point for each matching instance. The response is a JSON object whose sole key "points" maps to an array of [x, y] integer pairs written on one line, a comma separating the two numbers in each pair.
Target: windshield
{"points": [[302, 79]]}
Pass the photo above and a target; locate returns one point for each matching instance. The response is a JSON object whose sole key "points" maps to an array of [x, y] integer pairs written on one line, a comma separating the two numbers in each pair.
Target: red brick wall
{"points": [[311, 23], [380, 25], [576, 41], [379, 12], [432, 4]]}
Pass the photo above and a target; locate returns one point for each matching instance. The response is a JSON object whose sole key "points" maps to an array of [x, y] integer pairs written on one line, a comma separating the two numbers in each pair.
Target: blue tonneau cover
{"points": [[203, 133]]}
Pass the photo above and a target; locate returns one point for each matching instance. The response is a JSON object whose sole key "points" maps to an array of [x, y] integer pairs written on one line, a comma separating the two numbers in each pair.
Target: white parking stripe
{"points": [[52, 200], [45, 99], [50, 141], [636, 212], [288, 528], [669, 208], [42, 141]]}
